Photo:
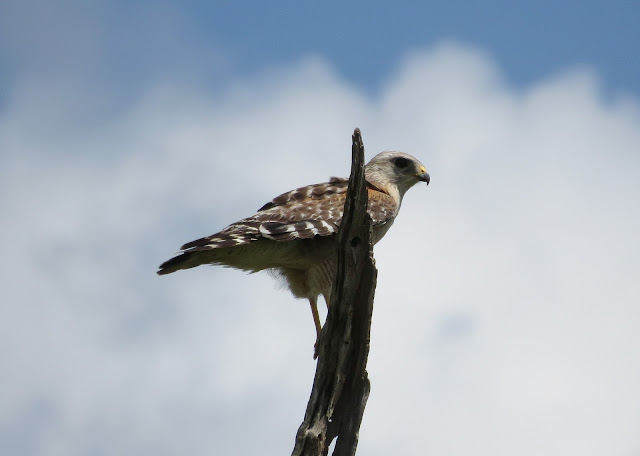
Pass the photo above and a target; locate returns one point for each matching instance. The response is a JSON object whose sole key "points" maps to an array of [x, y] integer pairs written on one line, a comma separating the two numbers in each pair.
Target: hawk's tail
{"points": [[206, 250], [182, 261], [240, 257]]}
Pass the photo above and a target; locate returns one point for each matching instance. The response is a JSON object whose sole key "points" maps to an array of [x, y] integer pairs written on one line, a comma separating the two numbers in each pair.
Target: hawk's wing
{"points": [[314, 210]]}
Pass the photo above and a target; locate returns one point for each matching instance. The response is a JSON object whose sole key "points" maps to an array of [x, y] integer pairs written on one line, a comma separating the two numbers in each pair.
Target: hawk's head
{"points": [[389, 170]]}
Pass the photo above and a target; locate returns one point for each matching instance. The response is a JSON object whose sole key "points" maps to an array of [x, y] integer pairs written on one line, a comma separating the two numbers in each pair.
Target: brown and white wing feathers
{"points": [[313, 210]]}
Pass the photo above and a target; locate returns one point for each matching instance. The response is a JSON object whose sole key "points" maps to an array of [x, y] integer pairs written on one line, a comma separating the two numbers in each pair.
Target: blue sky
{"points": [[366, 39], [507, 299], [213, 41]]}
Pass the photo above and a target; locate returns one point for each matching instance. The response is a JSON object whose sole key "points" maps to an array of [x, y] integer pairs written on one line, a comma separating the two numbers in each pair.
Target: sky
{"points": [[507, 305]]}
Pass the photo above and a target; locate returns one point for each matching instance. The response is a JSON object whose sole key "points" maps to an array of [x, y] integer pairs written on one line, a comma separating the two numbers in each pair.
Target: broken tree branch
{"points": [[341, 384]]}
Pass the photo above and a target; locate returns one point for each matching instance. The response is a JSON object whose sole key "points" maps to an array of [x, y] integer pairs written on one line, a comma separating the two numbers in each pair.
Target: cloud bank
{"points": [[507, 300]]}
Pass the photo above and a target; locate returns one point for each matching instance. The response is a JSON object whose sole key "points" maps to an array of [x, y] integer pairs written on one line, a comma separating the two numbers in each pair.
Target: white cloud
{"points": [[507, 294]]}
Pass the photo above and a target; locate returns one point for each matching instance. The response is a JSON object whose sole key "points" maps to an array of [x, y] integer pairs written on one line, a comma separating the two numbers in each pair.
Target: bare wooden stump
{"points": [[341, 385]]}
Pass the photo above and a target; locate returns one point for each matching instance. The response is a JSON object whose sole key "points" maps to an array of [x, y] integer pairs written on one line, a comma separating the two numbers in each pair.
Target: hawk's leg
{"points": [[316, 319]]}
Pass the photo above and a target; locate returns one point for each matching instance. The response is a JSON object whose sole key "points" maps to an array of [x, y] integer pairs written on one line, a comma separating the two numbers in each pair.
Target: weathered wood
{"points": [[341, 385]]}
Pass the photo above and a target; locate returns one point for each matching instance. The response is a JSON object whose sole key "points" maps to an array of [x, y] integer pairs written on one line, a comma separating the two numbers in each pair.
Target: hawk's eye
{"points": [[401, 162]]}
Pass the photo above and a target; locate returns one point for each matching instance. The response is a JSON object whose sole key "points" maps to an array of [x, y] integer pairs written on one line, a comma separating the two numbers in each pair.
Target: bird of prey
{"points": [[295, 235]]}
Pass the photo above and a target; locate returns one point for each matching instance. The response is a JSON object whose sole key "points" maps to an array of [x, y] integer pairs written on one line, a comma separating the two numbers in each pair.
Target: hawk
{"points": [[295, 234]]}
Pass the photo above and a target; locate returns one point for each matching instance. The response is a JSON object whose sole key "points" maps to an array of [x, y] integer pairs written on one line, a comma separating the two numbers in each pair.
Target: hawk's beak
{"points": [[424, 177]]}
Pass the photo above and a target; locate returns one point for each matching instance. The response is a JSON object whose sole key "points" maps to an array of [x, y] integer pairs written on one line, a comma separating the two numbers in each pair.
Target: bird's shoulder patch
{"points": [[382, 207]]}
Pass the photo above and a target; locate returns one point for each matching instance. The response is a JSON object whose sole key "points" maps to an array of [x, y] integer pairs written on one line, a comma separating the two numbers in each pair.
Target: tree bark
{"points": [[341, 384]]}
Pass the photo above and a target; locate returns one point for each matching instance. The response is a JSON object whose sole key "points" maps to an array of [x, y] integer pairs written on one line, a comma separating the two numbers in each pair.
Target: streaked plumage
{"points": [[294, 234]]}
